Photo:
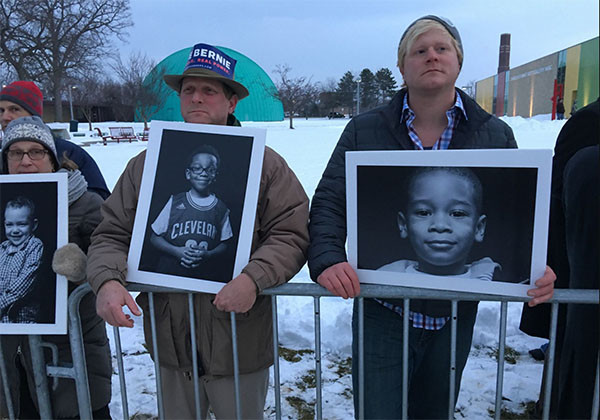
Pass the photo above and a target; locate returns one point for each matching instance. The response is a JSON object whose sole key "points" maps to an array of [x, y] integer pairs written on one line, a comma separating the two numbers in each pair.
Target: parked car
{"points": [[335, 115]]}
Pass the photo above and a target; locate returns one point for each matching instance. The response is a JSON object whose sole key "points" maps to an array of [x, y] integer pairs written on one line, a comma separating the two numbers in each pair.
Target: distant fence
{"points": [[78, 371]]}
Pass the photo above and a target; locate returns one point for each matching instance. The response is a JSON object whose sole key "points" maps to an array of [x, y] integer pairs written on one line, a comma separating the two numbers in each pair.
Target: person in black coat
{"points": [[573, 254], [430, 113]]}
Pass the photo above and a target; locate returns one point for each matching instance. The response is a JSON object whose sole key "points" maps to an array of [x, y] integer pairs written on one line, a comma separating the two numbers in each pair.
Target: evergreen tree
{"points": [[387, 85], [369, 90], [346, 90]]}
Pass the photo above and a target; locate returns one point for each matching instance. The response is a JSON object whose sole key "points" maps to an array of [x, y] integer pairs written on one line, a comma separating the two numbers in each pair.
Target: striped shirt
{"points": [[454, 115]]}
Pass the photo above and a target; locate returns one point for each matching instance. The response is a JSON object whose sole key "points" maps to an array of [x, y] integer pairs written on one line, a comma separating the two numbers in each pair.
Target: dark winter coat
{"points": [[87, 165], [84, 216], [573, 248], [382, 129]]}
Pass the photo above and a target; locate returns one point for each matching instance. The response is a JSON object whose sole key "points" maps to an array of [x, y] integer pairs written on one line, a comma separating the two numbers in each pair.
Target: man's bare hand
{"points": [[544, 288], [237, 296], [341, 280], [110, 300]]}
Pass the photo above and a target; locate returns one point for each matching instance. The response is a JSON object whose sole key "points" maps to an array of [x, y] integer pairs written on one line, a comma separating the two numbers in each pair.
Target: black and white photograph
{"points": [[33, 299], [453, 220], [195, 220]]}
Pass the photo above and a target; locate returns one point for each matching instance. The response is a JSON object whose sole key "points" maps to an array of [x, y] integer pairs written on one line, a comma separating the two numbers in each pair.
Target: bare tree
{"points": [[296, 94], [7, 74], [51, 40], [113, 96], [87, 97], [143, 85], [470, 88], [328, 97]]}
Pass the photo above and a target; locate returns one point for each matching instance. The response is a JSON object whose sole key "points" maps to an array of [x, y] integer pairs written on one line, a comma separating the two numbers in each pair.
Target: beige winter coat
{"points": [[278, 252]]}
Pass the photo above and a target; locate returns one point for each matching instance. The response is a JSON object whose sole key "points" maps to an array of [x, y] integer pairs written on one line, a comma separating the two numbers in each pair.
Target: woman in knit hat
{"points": [[25, 99], [28, 147]]}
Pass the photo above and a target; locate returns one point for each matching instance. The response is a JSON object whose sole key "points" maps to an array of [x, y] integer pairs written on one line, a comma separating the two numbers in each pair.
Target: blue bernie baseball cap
{"points": [[209, 62]]}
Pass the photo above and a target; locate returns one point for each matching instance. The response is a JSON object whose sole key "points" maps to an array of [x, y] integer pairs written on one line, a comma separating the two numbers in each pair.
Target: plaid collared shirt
{"points": [[418, 319], [18, 270], [454, 115]]}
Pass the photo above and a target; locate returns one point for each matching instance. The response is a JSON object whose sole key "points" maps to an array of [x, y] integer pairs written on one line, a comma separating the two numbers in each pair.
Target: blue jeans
{"points": [[428, 364]]}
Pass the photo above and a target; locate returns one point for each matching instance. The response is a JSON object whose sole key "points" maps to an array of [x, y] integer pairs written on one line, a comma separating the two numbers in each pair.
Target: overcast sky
{"points": [[323, 39]]}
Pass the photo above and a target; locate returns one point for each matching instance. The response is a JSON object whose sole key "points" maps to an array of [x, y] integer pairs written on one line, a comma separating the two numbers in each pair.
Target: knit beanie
{"points": [[446, 23], [25, 94], [28, 129]]}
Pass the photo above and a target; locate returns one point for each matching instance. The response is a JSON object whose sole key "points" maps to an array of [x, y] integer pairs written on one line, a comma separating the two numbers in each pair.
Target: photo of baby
{"points": [[442, 219]]}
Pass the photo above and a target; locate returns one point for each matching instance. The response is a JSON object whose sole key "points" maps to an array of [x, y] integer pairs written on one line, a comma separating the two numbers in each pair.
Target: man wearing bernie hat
{"points": [[25, 99], [208, 94], [429, 113]]}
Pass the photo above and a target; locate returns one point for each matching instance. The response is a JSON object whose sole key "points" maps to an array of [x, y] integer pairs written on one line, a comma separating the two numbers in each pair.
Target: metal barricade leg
{"points": [[500, 370], [276, 376], [39, 375], [78, 353], [194, 355], [550, 352], [405, 330], [161, 407], [361, 358], [318, 356], [236, 367], [5, 384], [595, 403], [123, 386], [452, 384]]}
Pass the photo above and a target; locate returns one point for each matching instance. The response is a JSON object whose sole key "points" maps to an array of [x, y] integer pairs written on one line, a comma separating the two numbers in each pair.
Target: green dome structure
{"points": [[259, 106]]}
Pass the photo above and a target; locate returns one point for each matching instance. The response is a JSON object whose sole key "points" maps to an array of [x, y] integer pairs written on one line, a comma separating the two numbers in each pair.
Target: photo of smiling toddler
{"points": [[442, 219], [20, 259]]}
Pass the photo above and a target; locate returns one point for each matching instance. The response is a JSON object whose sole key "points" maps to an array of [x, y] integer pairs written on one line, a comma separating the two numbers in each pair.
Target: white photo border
{"points": [[62, 238], [541, 159], [242, 255]]}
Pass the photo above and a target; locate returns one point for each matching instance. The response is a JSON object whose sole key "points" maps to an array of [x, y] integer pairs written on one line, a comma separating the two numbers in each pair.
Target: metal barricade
{"points": [[78, 371]]}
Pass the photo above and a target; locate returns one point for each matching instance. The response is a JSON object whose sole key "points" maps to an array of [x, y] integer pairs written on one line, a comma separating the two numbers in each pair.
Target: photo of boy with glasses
{"points": [[193, 227]]}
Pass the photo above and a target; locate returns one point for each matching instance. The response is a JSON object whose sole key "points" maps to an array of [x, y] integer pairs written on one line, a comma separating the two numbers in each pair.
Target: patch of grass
{"points": [[291, 355], [347, 392], [308, 381], [527, 413], [344, 367], [142, 416], [510, 355], [305, 410], [137, 353]]}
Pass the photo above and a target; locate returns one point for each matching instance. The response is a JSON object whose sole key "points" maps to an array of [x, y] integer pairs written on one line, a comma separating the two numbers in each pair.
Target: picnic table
{"points": [[117, 134]]}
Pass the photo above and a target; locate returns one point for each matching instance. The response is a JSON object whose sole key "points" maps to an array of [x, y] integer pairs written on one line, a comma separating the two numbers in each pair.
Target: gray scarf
{"points": [[77, 184]]}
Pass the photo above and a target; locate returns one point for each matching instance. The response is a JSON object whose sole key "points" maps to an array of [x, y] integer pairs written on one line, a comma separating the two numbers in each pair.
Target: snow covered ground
{"points": [[307, 150]]}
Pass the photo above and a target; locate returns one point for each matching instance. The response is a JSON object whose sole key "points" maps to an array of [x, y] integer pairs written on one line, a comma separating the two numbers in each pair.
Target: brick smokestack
{"points": [[504, 60]]}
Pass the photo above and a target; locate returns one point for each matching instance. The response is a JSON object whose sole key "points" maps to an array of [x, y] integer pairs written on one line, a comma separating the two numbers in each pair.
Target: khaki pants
{"points": [[218, 393]]}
